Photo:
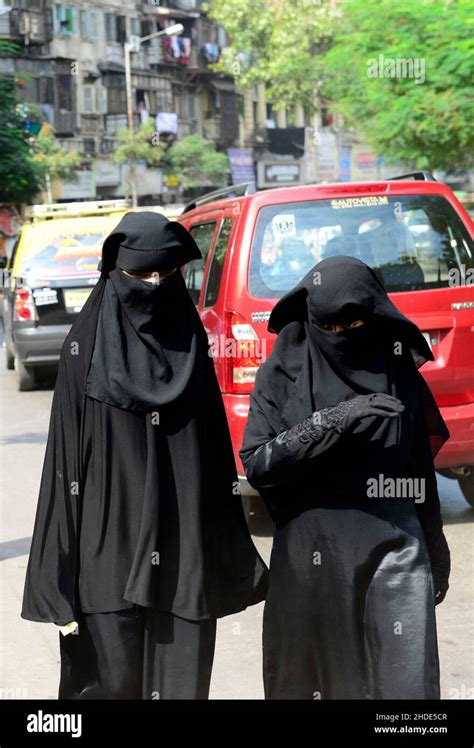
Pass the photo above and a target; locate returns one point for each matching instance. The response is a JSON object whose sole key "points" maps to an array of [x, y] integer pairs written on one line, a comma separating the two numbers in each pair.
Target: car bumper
{"points": [[41, 345], [459, 449]]}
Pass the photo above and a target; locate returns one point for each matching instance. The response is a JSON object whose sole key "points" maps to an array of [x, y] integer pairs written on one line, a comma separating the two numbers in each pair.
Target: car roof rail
{"points": [[232, 190], [420, 176], [67, 210]]}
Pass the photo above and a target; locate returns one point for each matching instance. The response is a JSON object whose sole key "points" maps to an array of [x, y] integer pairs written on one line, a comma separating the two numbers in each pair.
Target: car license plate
{"points": [[74, 299]]}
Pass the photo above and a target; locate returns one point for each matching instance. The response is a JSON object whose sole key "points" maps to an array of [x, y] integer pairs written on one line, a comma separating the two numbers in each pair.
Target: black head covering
{"points": [[147, 334], [146, 242], [340, 289]]}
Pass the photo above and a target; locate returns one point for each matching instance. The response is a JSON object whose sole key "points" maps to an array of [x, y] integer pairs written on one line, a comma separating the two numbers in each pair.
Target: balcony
{"points": [[115, 52], [63, 120], [90, 124], [26, 26]]}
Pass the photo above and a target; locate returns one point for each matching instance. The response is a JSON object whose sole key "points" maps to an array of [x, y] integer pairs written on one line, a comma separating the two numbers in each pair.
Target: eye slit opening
{"points": [[322, 325], [132, 272]]}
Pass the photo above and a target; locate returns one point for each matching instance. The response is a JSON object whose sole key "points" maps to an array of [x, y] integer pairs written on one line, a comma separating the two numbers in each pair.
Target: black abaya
{"points": [[350, 608], [139, 502]]}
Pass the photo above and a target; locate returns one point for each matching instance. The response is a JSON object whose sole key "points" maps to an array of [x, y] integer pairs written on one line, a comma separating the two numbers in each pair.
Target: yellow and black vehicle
{"points": [[52, 270]]}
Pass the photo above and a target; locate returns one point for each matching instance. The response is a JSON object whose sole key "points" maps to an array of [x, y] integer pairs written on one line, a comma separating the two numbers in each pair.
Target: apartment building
{"points": [[72, 57], [72, 54]]}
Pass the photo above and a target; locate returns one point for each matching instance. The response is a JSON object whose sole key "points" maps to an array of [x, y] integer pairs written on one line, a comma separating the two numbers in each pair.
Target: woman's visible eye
{"points": [[134, 273], [355, 323]]}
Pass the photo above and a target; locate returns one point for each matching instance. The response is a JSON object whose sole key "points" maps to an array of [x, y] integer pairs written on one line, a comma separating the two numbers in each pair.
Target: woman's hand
{"points": [[376, 404]]}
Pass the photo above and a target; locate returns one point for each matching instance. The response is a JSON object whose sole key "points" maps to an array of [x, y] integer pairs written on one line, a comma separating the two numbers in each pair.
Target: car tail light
{"points": [[243, 353], [25, 309]]}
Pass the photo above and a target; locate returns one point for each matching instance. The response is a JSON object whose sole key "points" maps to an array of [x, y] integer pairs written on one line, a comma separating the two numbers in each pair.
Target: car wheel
{"points": [[466, 484], [9, 358], [26, 378]]}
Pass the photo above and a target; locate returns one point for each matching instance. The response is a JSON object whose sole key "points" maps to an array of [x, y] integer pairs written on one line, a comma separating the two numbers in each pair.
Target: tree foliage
{"points": [[52, 160], [20, 180], [196, 162], [277, 42], [426, 123], [140, 145], [313, 50]]}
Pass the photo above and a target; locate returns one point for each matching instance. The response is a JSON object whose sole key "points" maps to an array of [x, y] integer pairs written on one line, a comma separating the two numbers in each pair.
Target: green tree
{"points": [[138, 145], [313, 50], [279, 43], [195, 160], [21, 180], [53, 161], [425, 123]]}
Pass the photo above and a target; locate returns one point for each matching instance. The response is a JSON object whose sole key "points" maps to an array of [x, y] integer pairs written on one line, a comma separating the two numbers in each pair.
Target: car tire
{"points": [[466, 484], [9, 358], [26, 379]]}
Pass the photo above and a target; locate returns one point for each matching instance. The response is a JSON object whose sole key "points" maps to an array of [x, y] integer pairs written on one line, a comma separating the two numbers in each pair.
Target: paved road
{"points": [[29, 652]]}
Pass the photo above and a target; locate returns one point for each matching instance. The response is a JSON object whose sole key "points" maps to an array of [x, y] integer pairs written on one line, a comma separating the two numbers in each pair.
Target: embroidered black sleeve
{"points": [[314, 426]]}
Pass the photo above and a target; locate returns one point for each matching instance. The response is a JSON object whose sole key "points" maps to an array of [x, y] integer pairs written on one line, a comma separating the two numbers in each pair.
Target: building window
{"points": [[108, 145], [89, 146], [88, 99], [115, 28], [116, 101], [135, 27], [45, 90], [89, 20], [164, 101], [114, 123], [185, 104], [64, 91], [64, 20]]}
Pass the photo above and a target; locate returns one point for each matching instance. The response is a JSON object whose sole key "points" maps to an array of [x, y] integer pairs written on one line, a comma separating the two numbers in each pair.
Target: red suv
{"points": [[414, 233]]}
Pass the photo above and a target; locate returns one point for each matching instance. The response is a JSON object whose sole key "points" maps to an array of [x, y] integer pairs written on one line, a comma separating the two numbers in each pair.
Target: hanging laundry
{"points": [[175, 47], [167, 51], [185, 49], [210, 52], [167, 122]]}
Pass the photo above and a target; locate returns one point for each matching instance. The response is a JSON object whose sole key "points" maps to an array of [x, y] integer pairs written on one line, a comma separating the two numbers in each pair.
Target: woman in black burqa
{"points": [[140, 535], [340, 442]]}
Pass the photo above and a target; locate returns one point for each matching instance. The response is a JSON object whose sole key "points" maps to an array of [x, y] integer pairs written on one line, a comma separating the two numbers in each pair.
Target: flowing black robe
{"points": [[350, 608], [134, 511]]}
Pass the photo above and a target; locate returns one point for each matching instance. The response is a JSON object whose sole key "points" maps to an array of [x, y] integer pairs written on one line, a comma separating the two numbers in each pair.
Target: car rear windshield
{"points": [[411, 241], [62, 252]]}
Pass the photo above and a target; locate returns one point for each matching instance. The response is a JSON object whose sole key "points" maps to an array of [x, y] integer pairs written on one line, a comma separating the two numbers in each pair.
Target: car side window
{"points": [[217, 263], [202, 234]]}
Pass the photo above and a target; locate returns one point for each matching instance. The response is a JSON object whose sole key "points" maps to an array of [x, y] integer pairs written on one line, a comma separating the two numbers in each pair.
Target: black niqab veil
{"points": [[139, 500], [157, 325], [159, 332]]}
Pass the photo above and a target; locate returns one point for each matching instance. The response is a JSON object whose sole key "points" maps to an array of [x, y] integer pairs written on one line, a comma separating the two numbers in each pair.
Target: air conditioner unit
{"points": [[25, 24]]}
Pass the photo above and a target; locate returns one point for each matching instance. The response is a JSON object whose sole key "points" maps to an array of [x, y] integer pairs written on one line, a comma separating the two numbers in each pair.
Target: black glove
{"points": [[376, 404], [440, 560]]}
